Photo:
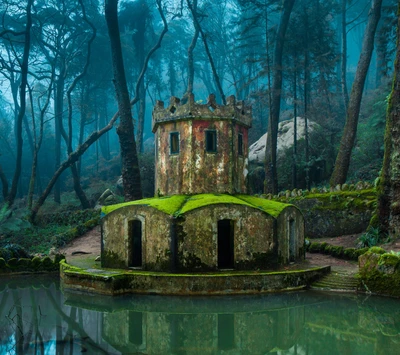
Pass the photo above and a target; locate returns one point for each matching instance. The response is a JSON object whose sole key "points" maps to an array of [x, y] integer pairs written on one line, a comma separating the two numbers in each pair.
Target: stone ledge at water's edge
{"points": [[116, 282]]}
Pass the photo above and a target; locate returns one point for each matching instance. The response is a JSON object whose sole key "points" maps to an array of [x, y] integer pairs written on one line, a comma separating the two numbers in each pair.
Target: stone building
{"points": [[201, 219]]}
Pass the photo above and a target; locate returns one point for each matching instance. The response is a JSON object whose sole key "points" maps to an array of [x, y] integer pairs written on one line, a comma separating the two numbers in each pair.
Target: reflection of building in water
{"points": [[203, 333]]}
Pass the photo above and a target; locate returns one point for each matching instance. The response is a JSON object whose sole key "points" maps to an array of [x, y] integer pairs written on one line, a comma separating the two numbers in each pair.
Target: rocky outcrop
{"points": [[285, 138]]}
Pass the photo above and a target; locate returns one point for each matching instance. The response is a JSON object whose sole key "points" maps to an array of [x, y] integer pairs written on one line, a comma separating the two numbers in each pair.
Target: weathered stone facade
{"points": [[202, 219], [190, 240], [193, 168]]}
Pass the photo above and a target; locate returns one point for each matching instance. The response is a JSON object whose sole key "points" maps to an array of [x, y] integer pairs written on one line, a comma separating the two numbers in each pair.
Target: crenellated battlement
{"points": [[189, 109]]}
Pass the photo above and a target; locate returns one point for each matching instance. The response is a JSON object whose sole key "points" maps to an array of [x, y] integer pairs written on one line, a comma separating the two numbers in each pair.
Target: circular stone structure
{"points": [[205, 232], [201, 220]]}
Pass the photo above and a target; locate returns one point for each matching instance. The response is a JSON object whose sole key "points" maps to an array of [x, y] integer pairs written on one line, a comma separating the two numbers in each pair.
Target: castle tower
{"points": [[201, 148]]}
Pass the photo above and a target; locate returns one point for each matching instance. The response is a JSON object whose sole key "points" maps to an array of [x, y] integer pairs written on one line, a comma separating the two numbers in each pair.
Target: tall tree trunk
{"points": [[342, 164], [271, 177], [141, 117], [4, 182], [345, 93], [389, 184], [22, 96], [130, 165], [58, 118]]}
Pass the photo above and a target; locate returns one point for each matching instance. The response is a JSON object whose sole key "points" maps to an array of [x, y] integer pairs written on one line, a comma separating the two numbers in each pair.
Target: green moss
{"points": [[350, 254], [181, 204], [24, 264], [314, 247], [377, 250], [36, 263], [3, 264], [361, 251], [47, 264], [342, 200], [198, 201], [389, 260], [337, 251], [168, 205], [112, 260], [12, 263], [271, 207]]}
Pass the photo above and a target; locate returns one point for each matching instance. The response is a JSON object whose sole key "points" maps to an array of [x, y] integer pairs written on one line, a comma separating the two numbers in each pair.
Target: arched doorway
{"points": [[225, 244], [135, 237]]}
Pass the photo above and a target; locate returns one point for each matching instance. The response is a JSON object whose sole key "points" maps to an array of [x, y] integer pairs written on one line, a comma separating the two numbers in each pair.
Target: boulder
{"points": [[285, 138]]}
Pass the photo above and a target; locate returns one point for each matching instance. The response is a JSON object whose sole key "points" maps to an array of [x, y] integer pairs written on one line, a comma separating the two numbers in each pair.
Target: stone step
{"points": [[335, 282]]}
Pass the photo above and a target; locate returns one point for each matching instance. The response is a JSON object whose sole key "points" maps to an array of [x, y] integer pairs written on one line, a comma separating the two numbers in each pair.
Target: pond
{"points": [[39, 319]]}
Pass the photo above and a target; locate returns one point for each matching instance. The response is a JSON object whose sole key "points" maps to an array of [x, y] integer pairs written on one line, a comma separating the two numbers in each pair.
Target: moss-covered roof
{"points": [[181, 204], [168, 205]]}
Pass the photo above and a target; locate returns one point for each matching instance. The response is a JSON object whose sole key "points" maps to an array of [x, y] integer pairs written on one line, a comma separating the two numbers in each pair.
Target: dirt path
{"points": [[84, 250]]}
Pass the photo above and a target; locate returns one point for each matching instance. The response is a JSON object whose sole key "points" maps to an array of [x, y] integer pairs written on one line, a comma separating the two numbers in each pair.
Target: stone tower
{"points": [[201, 148]]}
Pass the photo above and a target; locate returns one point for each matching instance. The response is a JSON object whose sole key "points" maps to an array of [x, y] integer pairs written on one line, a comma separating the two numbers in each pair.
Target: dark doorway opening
{"points": [[225, 244], [226, 331], [292, 241], [135, 234]]}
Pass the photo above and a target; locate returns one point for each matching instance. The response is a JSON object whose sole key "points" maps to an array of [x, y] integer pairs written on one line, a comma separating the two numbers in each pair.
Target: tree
{"points": [[271, 178], [342, 163], [130, 163], [22, 106], [389, 184]]}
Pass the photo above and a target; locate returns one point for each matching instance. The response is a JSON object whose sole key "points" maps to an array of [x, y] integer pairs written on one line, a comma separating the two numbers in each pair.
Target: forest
{"points": [[79, 80]]}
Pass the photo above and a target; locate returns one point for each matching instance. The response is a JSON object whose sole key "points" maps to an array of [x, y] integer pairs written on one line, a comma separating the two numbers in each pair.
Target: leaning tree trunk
{"points": [[125, 131], [389, 185], [342, 164], [271, 177], [22, 96]]}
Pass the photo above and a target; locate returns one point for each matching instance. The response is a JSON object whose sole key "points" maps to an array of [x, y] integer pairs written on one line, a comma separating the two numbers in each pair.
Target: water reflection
{"points": [[39, 319]]}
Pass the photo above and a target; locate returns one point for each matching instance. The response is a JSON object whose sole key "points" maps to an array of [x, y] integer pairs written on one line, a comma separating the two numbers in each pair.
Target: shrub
{"points": [[350, 254]]}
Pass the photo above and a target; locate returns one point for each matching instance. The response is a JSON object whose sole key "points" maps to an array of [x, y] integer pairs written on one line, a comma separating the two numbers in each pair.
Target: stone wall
{"points": [[254, 242], [194, 170], [335, 212], [156, 241]]}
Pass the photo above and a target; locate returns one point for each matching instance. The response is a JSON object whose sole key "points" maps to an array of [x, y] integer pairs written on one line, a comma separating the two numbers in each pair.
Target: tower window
{"points": [[174, 142], [211, 141], [240, 144]]}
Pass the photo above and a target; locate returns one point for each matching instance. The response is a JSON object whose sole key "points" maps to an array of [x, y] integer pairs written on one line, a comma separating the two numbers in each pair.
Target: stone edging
{"points": [[116, 282]]}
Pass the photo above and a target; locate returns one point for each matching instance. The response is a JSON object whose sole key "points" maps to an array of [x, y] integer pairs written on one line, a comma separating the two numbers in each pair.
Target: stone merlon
{"points": [[188, 109]]}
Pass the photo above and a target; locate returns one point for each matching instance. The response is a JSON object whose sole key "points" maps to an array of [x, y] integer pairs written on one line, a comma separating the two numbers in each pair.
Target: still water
{"points": [[39, 319]]}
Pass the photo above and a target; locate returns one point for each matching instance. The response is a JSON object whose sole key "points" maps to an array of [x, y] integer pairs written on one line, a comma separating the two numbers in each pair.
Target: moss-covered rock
{"points": [[377, 250], [12, 263], [36, 262], [24, 264], [47, 264], [3, 264]]}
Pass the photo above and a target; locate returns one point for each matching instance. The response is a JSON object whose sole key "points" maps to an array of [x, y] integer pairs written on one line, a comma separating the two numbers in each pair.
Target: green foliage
{"points": [[367, 154], [12, 221], [371, 238]]}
